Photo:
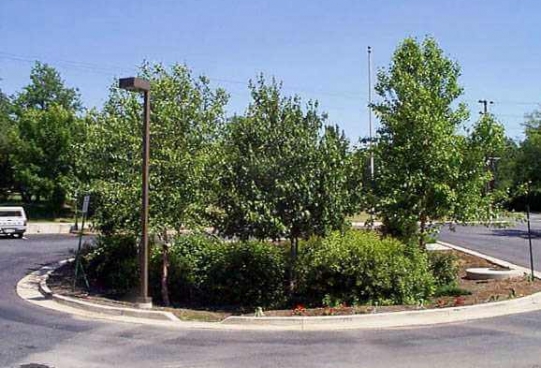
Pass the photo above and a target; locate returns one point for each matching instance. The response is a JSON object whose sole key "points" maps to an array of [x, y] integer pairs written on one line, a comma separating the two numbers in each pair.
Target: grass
{"points": [[360, 217]]}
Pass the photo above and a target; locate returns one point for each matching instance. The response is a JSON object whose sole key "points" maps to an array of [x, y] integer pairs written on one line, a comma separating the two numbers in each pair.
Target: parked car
{"points": [[13, 221]]}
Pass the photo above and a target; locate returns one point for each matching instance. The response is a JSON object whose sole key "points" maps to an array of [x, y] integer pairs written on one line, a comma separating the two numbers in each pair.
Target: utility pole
{"points": [[370, 111], [485, 106]]}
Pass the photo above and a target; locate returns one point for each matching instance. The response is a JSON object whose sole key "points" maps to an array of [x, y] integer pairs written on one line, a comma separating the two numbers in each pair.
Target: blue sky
{"points": [[317, 48]]}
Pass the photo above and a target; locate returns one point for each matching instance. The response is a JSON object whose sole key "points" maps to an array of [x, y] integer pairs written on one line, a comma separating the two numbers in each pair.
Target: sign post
{"points": [[78, 265]]}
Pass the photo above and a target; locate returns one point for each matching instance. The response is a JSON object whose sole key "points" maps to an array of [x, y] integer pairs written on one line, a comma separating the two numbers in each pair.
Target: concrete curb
{"points": [[38, 281], [44, 274], [400, 319], [494, 260]]}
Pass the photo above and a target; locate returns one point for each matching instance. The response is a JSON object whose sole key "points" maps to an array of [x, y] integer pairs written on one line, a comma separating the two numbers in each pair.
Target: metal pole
{"points": [[529, 228], [78, 265], [144, 299], [76, 227], [370, 111], [530, 239]]}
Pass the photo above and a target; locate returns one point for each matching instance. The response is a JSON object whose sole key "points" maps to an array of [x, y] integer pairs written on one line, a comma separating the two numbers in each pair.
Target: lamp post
{"points": [[142, 85]]}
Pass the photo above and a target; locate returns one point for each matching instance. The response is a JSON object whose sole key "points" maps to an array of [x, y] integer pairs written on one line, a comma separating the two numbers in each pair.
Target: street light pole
{"points": [[370, 112], [138, 84]]}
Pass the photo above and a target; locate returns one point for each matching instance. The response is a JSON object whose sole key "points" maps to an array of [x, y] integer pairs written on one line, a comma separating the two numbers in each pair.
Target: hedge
{"points": [[355, 267]]}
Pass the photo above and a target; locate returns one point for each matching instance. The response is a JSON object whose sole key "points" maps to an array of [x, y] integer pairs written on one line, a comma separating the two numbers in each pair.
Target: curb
{"points": [[44, 273], [362, 321], [494, 260]]}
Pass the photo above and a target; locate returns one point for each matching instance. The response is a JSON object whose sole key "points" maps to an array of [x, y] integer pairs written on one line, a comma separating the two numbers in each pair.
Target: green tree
{"points": [[507, 167], [477, 197], [186, 115], [45, 124], [6, 129], [42, 157], [46, 89], [185, 118], [339, 178], [279, 175], [426, 170], [528, 166]]}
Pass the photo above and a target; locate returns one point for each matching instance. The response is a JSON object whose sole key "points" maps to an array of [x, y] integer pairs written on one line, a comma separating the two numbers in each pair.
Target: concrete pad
{"points": [[436, 247], [484, 273]]}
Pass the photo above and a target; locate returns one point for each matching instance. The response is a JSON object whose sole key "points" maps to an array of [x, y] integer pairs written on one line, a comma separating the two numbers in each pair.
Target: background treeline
{"points": [[233, 171]]}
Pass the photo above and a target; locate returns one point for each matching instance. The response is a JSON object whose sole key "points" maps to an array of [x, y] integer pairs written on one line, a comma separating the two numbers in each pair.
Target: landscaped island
{"points": [[352, 273]]}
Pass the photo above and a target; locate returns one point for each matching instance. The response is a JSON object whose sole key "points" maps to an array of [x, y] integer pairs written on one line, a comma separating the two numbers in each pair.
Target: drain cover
{"points": [[35, 365]]}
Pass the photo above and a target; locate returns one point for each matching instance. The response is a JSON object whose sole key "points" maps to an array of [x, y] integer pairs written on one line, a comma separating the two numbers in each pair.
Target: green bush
{"points": [[444, 267], [360, 267], [112, 264], [190, 259], [251, 274], [354, 267], [451, 290], [207, 271]]}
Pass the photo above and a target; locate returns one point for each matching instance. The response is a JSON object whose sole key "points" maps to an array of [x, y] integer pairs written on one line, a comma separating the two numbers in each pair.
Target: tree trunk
{"points": [[165, 274], [293, 258], [25, 196], [422, 232], [165, 270]]}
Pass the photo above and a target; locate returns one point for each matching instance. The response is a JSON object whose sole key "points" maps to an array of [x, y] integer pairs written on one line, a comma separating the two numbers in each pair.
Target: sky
{"points": [[318, 49]]}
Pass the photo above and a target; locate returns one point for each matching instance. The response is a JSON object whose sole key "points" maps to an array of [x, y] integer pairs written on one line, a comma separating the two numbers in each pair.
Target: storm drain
{"points": [[35, 365]]}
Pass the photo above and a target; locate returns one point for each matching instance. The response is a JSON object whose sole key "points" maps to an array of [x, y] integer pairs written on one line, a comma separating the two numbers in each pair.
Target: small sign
{"points": [[86, 201]]}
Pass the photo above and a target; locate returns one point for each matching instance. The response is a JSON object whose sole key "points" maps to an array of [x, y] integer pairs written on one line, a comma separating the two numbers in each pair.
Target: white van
{"points": [[12, 221]]}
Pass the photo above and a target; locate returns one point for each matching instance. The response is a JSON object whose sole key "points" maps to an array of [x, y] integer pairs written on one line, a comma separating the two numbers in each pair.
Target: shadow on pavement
{"points": [[516, 233]]}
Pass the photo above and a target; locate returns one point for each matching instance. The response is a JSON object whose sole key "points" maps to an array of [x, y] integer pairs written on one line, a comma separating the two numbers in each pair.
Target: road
{"points": [[30, 334], [510, 244]]}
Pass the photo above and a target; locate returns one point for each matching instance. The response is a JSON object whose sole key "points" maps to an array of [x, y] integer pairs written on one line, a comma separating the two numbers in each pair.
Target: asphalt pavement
{"points": [[30, 334], [508, 243]]}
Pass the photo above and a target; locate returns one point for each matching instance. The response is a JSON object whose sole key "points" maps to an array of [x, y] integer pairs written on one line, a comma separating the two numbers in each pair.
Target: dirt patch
{"points": [[480, 291], [61, 282]]}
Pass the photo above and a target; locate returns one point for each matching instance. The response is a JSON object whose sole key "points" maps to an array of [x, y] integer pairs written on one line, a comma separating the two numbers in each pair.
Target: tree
{"points": [[6, 127], [478, 198], [530, 150], [528, 166], [339, 177], [42, 154], [186, 115], [278, 175], [426, 170], [46, 89], [45, 123], [507, 166]]}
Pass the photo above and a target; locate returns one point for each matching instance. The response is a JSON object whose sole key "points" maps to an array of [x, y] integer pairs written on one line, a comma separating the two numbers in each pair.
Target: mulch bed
{"points": [[485, 291]]}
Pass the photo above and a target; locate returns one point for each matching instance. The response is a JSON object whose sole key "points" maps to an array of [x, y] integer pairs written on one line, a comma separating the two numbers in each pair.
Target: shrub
{"points": [[190, 258], [444, 267], [207, 271], [360, 267], [451, 290], [252, 274], [350, 268], [112, 264]]}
